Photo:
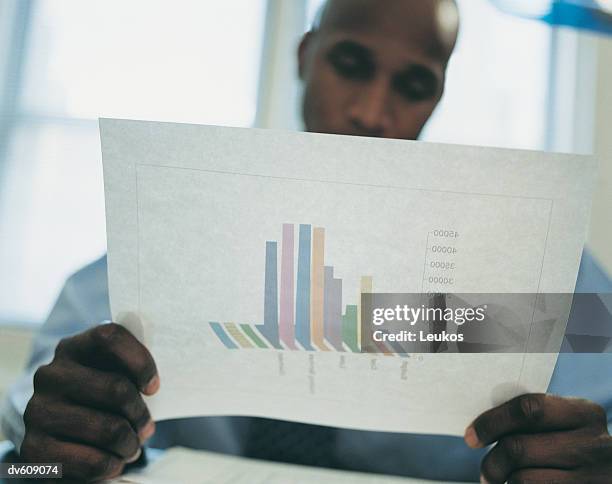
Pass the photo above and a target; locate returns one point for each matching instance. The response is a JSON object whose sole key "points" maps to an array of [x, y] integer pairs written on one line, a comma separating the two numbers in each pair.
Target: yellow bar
{"points": [[238, 336], [367, 287]]}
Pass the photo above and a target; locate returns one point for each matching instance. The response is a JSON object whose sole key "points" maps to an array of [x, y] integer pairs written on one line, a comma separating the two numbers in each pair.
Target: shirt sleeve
{"points": [[74, 311], [578, 372]]}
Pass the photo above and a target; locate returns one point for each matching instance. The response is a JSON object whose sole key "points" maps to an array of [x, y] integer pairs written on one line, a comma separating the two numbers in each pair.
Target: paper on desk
{"points": [[179, 465], [206, 223]]}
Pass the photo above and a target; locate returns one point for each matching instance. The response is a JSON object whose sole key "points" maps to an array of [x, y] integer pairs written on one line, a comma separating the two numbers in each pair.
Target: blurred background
{"points": [[517, 79]]}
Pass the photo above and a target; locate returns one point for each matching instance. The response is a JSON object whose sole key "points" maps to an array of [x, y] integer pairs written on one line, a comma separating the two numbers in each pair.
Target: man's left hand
{"points": [[543, 439]]}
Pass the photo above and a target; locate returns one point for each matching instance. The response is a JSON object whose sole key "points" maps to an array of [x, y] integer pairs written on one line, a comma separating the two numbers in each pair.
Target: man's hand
{"points": [[544, 439], [87, 411]]}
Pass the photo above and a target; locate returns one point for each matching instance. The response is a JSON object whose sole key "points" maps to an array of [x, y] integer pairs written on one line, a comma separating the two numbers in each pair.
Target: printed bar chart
{"points": [[302, 304]]}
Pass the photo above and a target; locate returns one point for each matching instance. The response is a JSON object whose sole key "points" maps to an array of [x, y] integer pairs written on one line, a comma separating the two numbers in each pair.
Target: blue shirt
{"points": [[83, 303]]}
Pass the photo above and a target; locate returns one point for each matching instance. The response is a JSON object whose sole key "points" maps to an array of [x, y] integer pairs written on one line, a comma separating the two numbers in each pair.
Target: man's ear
{"points": [[302, 53]]}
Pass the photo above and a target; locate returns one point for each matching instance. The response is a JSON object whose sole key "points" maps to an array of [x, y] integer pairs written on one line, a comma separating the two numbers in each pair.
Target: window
{"points": [[499, 71], [510, 86], [186, 60]]}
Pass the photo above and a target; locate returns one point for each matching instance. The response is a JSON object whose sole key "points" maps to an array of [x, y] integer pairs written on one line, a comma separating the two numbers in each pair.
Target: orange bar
{"points": [[317, 332]]}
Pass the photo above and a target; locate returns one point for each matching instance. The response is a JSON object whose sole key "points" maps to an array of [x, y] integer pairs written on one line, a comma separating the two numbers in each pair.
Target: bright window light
{"points": [[181, 60]]}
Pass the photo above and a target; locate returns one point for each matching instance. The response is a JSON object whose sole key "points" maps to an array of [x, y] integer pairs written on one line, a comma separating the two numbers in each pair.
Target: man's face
{"points": [[374, 68]]}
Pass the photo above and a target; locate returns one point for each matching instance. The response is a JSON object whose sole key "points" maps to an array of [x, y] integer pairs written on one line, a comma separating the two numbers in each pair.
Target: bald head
{"points": [[376, 67], [434, 24]]}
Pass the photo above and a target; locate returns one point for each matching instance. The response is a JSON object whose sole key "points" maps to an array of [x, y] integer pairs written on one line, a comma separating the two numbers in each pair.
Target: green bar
{"points": [[251, 334], [349, 328]]}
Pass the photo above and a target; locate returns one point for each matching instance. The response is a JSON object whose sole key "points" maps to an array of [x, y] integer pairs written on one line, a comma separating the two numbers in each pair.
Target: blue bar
{"points": [[302, 300], [269, 329], [222, 335]]}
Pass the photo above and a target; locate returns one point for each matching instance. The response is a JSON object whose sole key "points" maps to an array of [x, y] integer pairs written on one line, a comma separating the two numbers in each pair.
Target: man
{"points": [[371, 68]]}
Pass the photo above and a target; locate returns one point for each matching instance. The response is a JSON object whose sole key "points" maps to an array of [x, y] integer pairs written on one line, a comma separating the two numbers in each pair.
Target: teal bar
{"points": [[349, 328], [222, 335]]}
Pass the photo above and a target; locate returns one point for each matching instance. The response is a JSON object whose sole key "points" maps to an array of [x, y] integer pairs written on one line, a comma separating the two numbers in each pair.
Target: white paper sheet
{"points": [[179, 465], [193, 210]]}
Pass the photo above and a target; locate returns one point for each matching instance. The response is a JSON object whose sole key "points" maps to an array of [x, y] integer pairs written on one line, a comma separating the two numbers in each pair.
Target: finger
{"points": [[545, 476], [101, 390], [79, 462], [532, 413], [112, 347], [73, 423], [558, 450]]}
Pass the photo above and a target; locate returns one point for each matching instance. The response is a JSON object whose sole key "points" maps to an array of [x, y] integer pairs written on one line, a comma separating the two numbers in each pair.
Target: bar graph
{"points": [[302, 301]]}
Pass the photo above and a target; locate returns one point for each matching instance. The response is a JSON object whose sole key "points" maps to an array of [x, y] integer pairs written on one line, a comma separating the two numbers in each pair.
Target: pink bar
{"points": [[286, 322]]}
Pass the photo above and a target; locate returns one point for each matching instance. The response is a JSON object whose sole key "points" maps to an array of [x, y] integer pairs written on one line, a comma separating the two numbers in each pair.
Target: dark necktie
{"points": [[291, 442]]}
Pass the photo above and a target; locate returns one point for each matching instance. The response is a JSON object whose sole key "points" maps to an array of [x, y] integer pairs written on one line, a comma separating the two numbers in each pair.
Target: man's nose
{"points": [[370, 111]]}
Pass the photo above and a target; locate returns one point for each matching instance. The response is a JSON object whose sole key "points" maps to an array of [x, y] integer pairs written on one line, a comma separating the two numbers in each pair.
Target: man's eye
{"points": [[351, 64], [416, 84]]}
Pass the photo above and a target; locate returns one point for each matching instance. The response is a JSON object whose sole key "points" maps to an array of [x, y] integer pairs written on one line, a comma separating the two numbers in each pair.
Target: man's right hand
{"points": [[87, 411]]}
